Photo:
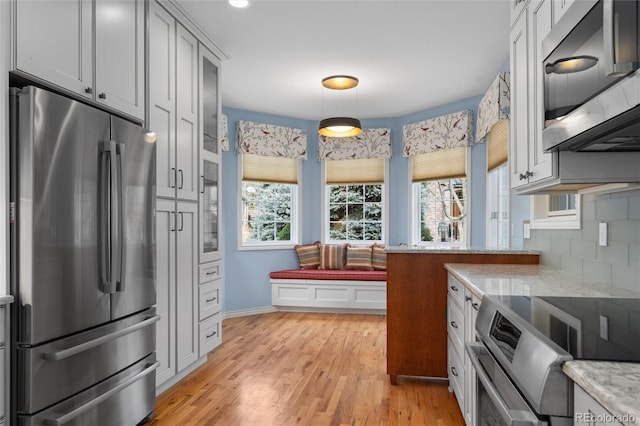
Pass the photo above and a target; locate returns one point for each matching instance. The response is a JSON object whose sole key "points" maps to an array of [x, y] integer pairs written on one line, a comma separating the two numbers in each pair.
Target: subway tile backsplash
{"points": [[578, 252]]}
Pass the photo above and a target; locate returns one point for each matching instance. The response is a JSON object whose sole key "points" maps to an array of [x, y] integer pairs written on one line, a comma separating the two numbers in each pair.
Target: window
{"points": [[555, 211], [442, 212], [498, 208], [439, 198], [354, 200], [269, 202]]}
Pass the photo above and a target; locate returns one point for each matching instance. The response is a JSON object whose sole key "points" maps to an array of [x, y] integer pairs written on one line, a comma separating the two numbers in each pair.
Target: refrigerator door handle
{"points": [[121, 240], [66, 418], [74, 350], [108, 220]]}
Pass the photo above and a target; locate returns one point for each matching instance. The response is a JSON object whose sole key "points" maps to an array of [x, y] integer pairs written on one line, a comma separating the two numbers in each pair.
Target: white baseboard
{"points": [[325, 310], [248, 312]]}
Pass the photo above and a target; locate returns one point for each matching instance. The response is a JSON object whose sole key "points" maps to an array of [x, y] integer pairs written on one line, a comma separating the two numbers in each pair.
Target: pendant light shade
{"points": [[340, 127]]}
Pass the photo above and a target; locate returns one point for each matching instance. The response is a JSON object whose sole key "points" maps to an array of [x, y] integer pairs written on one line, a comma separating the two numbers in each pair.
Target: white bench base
{"points": [[344, 296]]}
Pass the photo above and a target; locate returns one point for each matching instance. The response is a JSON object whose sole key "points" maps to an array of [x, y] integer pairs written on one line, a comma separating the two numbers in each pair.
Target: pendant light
{"points": [[340, 127]]}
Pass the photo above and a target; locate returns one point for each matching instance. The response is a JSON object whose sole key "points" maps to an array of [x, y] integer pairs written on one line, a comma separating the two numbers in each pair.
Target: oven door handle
{"points": [[511, 417]]}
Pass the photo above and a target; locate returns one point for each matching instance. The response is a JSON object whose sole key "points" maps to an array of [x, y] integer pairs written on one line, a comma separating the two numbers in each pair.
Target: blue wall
{"points": [[246, 272]]}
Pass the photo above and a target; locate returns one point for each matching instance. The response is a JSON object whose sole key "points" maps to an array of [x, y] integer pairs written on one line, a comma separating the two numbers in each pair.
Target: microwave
{"points": [[591, 79]]}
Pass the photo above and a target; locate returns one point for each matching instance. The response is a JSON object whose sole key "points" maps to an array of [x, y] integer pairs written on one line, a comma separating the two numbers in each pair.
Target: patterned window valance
{"points": [[440, 133], [224, 141], [371, 143], [494, 106], [272, 141]]}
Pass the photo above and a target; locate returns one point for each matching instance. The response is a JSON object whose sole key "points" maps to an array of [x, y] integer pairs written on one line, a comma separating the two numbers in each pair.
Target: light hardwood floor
{"points": [[303, 369]]}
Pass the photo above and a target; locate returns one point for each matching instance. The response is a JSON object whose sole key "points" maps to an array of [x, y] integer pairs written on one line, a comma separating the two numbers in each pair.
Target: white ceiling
{"points": [[408, 55]]}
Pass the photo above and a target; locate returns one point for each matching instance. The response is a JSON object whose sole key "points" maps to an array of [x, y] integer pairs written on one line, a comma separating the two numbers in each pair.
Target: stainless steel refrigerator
{"points": [[82, 264]]}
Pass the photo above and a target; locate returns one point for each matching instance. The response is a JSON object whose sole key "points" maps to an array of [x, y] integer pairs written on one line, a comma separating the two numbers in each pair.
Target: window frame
{"points": [[296, 217], [325, 208], [414, 217], [542, 218]]}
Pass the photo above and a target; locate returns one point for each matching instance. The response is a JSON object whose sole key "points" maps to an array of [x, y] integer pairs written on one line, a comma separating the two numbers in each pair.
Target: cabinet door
{"points": [[187, 284], [119, 56], [209, 212], [540, 21], [54, 42], [162, 92], [209, 101], [186, 114], [560, 8], [518, 155], [165, 289], [471, 306]]}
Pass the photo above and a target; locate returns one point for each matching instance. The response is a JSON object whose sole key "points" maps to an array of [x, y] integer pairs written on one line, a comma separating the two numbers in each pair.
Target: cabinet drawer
{"points": [[455, 326], [456, 290], [210, 272], [3, 413], [210, 299], [210, 334], [456, 374], [2, 314]]}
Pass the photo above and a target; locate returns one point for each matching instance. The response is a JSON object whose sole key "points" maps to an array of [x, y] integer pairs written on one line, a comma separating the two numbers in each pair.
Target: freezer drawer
{"points": [[54, 371], [124, 399]]}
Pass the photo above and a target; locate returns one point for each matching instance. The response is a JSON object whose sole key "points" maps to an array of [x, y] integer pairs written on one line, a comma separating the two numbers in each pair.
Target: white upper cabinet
{"points": [[119, 55], [55, 43], [559, 9]]}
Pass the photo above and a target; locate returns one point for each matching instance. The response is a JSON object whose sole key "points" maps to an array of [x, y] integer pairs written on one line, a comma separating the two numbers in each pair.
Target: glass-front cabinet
{"points": [[210, 156]]}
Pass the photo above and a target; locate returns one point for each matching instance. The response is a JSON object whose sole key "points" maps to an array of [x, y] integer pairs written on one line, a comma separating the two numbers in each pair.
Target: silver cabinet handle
{"points": [[210, 273], [202, 178], [475, 306], [181, 179], [467, 298], [172, 220], [453, 324], [102, 95], [88, 90], [181, 222], [173, 178], [74, 350], [211, 335], [454, 372], [211, 300], [66, 418], [454, 288]]}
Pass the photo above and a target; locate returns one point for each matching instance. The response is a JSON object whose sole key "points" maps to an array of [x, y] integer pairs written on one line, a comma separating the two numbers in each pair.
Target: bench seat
{"points": [[324, 290]]}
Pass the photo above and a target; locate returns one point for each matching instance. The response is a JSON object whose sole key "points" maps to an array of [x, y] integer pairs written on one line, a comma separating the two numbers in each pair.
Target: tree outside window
{"points": [[442, 211], [355, 212], [267, 211]]}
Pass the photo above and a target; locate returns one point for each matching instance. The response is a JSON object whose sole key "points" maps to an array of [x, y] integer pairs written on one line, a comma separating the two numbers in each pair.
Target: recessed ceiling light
{"points": [[239, 3]]}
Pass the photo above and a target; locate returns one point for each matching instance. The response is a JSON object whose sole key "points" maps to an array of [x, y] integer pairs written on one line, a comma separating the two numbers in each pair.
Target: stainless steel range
{"points": [[525, 341]]}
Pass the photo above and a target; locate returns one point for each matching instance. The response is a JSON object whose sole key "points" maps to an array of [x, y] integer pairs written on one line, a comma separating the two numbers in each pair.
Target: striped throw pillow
{"points": [[332, 256], [378, 258], [359, 258], [308, 255]]}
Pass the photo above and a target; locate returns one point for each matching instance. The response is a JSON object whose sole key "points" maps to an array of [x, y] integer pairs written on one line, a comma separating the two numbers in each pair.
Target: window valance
{"points": [[271, 141], [224, 140], [371, 143], [436, 134], [494, 106]]}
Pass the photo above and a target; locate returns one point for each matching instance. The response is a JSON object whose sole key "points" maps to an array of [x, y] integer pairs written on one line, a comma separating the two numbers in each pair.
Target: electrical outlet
{"points": [[526, 230], [604, 327], [602, 234]]}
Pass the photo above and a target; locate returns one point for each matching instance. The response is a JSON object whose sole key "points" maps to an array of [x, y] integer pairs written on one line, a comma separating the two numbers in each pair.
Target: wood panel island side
{"points": [[417, 305]]}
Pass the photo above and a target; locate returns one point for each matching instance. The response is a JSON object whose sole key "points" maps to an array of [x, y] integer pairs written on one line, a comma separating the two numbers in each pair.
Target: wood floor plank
{"points": [[303, 369]]}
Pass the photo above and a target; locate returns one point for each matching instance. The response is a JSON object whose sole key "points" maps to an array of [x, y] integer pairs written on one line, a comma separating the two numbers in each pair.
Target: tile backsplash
{"points": [[578, 252]]}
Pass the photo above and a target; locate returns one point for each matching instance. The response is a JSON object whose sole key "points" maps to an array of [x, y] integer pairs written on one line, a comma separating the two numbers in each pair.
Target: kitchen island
{"points": [[417, 304], [613, 385]]}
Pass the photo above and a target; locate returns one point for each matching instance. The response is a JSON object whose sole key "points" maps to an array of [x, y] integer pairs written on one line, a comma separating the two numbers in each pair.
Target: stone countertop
{"points": [[435, 249], [615, 385], [6, 299], [529, 280]]}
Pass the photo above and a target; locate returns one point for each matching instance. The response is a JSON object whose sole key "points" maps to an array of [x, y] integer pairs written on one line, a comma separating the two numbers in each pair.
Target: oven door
{"points": [[498, 402]]}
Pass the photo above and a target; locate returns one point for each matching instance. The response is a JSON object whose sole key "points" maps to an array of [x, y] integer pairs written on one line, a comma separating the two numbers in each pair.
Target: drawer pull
{"points": [[212, 273], [454, 372], [475, 306], [468, 298], [211, 300], [453, 324], [454, 288], [211, 335]]}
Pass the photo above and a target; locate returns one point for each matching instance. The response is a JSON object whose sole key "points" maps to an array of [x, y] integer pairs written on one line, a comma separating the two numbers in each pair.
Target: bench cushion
{"points": [[329, 274]]}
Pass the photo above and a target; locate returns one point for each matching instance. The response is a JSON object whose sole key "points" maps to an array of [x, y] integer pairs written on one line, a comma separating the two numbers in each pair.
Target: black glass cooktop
{"points": [[587, 328]]}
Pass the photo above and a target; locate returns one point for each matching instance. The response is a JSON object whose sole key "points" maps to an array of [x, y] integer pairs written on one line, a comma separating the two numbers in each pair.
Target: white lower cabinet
{"points": [[177, 302], [3, 368], [210, 307], [588, 412], [461, 321]]}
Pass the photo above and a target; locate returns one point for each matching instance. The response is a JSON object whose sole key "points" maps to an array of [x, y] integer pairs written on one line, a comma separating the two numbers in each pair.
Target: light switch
{"points": [[602, 234], [604, 327], [526, 230]]}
